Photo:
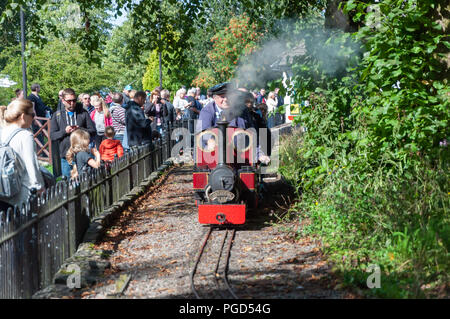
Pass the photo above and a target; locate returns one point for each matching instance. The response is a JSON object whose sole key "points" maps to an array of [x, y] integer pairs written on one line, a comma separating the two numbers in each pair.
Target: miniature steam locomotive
{"points": [[226, 176]]}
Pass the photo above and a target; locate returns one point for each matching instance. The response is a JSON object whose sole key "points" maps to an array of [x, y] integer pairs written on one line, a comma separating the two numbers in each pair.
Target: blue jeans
{"points": [[65, 168], [270, 121], [124, 140], [120, 138]]}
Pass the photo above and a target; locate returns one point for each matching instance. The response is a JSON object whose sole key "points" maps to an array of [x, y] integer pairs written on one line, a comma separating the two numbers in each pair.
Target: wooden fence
{"points": [[42, 138], [36, 238]]}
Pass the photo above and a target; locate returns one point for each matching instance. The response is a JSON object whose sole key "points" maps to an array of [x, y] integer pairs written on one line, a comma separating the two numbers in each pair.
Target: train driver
{"points": [[221, 108]]}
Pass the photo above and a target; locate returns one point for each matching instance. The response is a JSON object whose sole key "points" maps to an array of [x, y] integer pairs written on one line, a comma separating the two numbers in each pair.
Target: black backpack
{"points": [[11, 169]]}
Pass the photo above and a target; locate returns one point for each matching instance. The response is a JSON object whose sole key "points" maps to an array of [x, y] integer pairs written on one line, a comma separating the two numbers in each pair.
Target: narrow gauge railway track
{"points": [[218, 273]]}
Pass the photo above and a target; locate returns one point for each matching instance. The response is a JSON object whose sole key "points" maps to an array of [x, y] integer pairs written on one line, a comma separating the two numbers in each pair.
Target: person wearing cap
{"points": [[214, 110], [234, 111], [126, 94], [138, 127]]}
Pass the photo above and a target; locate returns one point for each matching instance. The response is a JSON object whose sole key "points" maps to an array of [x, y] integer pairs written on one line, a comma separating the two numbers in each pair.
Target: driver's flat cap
{"points": [[219, 89]]}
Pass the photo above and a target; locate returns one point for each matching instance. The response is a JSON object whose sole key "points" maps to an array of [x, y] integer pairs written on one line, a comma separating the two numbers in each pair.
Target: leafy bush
{"points": [[239, 39], [371, 170], [403, 77], [400, 223]]}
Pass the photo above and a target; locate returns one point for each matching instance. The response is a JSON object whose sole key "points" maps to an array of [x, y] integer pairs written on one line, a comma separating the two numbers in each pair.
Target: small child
{"points": [[110, 146], [78, 154]]}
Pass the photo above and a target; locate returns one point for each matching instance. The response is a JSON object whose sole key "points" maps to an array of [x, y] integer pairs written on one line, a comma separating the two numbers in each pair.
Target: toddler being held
{"points": [[79, 154]]}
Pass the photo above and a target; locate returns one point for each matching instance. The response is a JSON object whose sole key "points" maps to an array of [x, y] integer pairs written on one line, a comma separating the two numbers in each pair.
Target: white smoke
{"points": [[330, 48]]}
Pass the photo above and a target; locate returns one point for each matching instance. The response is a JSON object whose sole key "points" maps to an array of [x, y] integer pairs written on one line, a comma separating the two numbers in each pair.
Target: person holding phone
{"points": [[67, 120], [156, 111]]}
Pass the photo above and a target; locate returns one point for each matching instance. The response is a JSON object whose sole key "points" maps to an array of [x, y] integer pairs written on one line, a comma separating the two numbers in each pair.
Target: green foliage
{"points": [[151, 76], [173, 76], [172, 19], [6, 95], [238, 39], [59, 65], [403, 51], [117, 57], [372, 170], [171, 80], [85, 22], [9, 33], [399, 222], [69, 65]]}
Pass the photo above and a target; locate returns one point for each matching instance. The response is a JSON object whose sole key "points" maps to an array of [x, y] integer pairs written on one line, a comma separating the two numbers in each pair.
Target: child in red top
{"points": [[110, 146]]}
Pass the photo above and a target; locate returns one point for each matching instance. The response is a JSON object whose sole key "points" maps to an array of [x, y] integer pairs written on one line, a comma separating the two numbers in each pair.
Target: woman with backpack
{"points": [[16, 119]]}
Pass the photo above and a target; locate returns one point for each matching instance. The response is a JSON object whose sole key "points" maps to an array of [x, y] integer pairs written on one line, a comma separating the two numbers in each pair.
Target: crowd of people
{"points": [[93, 130]]}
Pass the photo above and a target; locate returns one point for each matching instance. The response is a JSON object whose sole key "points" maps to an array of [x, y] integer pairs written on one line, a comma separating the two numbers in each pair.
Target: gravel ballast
{"points": [[153, 245]]}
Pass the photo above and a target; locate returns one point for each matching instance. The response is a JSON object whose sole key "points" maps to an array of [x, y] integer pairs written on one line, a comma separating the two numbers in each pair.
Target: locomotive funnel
{"points": [[222, 124]]}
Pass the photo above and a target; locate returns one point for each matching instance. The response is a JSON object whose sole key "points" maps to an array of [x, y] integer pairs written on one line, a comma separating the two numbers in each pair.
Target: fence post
{"points": [[56, 160], [49, 141]]}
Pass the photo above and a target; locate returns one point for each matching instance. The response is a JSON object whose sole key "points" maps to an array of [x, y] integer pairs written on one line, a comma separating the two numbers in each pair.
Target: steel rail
{"points": [[225, 277], [224, 274], [194, 270], [216, 271]]}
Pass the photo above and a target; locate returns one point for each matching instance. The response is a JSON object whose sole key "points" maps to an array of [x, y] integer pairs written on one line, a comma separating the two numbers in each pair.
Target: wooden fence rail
{"points": [[42, 139]]}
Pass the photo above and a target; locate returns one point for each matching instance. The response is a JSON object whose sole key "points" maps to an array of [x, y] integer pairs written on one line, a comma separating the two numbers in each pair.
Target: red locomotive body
{"points": [[225, 176]]}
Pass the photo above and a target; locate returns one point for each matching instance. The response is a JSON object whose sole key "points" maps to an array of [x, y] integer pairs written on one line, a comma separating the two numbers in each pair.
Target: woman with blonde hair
{"points": [[179, 102], [16, 119], [79, 155], [101, 116]]}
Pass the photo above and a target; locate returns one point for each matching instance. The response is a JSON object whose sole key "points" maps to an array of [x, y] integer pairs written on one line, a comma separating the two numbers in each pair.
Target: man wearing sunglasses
{"points": [[66, 120], [85, 99]]}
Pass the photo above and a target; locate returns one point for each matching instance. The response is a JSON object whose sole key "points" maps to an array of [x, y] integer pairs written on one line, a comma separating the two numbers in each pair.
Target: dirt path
{"points": [[156, 240]]}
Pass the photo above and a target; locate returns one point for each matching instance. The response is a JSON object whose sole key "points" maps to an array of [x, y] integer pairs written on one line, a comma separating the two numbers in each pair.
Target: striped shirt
{"points": [[118, 118]]}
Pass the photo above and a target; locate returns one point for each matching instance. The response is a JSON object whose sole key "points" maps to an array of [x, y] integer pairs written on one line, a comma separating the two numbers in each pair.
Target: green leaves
{"points": [[402, 54], [389, 104], [8, 13], [372, 167]]}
